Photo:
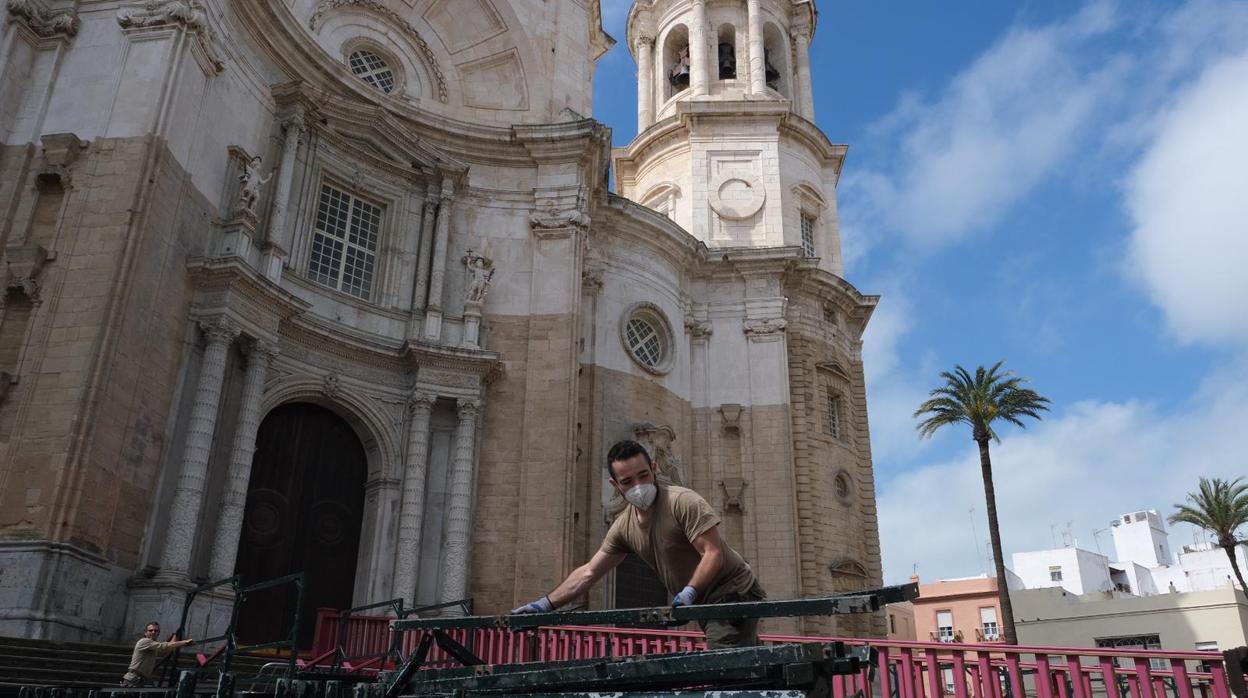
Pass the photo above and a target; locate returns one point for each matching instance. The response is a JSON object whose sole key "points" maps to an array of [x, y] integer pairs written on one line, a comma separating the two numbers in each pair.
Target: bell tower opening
{"points": [[676, 66], [727, 57]]}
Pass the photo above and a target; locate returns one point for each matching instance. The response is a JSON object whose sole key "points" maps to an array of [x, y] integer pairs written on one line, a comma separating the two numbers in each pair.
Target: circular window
{"points": [[372, 69], [841, 486], [648, 337]]}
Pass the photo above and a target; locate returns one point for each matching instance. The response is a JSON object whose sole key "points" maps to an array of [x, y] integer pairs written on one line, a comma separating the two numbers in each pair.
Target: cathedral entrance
{"points": [[305, 503]]}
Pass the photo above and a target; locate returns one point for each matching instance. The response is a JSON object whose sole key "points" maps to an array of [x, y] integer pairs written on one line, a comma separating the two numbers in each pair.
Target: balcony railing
{"points": [[988, 635], [908, 669], [945, 636]]}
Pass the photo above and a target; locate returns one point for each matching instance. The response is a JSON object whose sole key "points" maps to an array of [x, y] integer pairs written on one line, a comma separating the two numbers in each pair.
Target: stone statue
{"points": [[480, 271], [251, 182]]}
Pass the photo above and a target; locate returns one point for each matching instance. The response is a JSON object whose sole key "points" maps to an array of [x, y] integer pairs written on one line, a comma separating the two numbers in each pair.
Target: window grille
{"points": [[372, 69], [344, 243], [808, 235], [832, 416]]}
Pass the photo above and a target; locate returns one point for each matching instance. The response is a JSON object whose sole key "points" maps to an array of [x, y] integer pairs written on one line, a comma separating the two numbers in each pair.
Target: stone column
{"points": [[437, 271], [803, 91], [412, 509], [279, 234], [234, 501], [698, 64], [645, 83], [459, 506], [189, 495], [758, 75], [420, 288]]}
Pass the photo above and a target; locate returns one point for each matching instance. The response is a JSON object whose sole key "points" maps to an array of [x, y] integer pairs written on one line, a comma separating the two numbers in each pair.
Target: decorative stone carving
{"points": [[591, 279], [480, 272], [24, 264], [395, 18], [737, 195], [60, 150], [548, 216], [731, 414], [331, 386], [734, 487], [42, 21], [698, 329], [250, 181], [768, 328], [152, 13], [658, 442]]}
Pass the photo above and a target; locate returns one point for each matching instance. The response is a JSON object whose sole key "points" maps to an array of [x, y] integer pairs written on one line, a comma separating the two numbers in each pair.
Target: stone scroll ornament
{"points": [[480, 272]]}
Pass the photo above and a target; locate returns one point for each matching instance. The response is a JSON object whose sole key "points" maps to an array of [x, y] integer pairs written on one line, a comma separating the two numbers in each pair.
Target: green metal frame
{"points": [[854, 602]]}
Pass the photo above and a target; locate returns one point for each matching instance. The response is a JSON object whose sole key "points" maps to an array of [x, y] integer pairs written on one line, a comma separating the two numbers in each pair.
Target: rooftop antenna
{"points": [[1053, 534], [1068, 536], [1096, 532], [979, 554]]}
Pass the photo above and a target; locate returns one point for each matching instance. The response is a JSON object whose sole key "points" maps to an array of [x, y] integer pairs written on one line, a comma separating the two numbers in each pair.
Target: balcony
{"points": [[988, 635], [945, 635]]}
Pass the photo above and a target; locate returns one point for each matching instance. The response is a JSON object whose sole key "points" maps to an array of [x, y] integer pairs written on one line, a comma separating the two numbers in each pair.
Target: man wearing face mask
{"points": [[677, 533]]}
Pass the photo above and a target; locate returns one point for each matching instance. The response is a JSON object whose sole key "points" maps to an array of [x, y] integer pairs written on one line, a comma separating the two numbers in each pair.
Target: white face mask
{"points": [[642, 496]]}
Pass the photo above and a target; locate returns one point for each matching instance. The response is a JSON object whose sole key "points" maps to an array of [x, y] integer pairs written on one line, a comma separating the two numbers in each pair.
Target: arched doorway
{"points": [[305, 504]]}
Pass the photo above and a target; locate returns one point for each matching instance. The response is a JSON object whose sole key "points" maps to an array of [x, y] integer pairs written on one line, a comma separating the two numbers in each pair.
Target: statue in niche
{"points": [[480, 272], [679, 75], [250, 182]]}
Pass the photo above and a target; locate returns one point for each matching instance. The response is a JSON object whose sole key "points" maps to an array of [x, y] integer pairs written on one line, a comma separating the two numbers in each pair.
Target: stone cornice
{"points": [[227, 286]]}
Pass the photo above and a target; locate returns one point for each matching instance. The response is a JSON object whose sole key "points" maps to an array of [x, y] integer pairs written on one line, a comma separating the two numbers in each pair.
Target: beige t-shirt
{"points": [[143, 661], [678, 516]]}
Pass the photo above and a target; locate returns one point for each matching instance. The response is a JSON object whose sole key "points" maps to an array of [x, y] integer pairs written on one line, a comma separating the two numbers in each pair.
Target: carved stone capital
{"points": [[591, 279], [421, 400], [42, 21], [698, 329], [468, 408], [764, 329], [262, 350], [219, 330], [331, 386], [643, 41]]}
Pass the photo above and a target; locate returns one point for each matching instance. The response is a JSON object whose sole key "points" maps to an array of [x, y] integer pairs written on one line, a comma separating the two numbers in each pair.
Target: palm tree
{"points": [[1221, 507], [978, 401]]}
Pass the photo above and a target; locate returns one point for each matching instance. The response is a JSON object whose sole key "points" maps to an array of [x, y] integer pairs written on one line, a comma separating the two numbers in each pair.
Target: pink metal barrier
{"points": [[907, 669]]}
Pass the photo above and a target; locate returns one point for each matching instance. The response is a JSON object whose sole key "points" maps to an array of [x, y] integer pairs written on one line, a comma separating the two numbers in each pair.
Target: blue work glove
{"points": [[686, 597], [542, 605]]}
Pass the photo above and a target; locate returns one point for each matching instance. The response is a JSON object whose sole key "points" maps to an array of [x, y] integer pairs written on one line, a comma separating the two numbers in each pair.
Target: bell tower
{"points": [[726, 143]]}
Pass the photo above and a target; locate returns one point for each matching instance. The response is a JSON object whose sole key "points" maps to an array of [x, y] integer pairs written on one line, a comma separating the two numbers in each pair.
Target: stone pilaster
{"points": [[279, 234], [645, 83], [437, 269], [754, 22], [234, 501], [699, 66], [188, 497], [412, 511], [459, 505]]}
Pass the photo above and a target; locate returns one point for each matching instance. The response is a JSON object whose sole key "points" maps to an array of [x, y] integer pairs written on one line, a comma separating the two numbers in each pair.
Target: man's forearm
{"points": [[706, 570], [572, 587]]}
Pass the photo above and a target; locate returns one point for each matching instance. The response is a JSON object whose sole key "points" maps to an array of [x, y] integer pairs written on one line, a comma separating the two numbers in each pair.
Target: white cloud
{"points": [[1095, 461], [1000, 127], [1189, 204]]}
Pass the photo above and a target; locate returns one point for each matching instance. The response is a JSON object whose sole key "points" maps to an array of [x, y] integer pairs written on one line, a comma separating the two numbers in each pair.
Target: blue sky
{"points": [[1060, 185]]}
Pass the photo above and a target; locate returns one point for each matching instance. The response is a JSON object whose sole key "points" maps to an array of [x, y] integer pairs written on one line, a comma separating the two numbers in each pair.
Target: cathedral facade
{"points": [[343, 287]]}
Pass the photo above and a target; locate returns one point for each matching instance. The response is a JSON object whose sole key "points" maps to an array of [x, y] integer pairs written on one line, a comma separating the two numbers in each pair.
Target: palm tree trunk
{"points": [[1230, 552], [994, 532]]}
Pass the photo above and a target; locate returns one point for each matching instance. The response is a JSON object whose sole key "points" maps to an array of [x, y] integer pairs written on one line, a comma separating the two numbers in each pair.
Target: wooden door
{"points": [[305, 503]]}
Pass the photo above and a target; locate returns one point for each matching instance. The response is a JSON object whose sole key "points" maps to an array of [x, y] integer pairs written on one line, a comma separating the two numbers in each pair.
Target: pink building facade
{"points": [[958, 610]]}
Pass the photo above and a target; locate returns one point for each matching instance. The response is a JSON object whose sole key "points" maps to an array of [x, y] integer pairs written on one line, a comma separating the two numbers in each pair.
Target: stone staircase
{"points": [[81, 665]]}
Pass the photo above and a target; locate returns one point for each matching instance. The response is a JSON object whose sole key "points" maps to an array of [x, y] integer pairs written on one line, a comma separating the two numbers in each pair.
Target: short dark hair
{"points": [[623, 450]]}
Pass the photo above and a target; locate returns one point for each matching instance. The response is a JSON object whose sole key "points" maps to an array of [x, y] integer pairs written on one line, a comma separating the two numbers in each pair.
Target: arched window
{"points": [[726, 57], [776, 59], [676, 66], [370, 67]]}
